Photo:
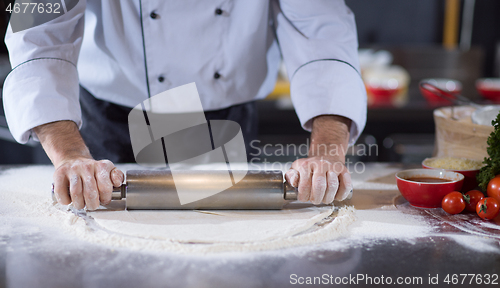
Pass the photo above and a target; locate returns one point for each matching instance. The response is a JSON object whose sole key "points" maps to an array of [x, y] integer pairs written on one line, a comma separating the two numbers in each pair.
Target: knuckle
{"points": [[325, 161], [73, 169], [304, 169], [88, 168], [300, 163], [307, 161], [102, 165], [313, 165], [300, 160], [104, 175], [75, 164], [106, 162]]}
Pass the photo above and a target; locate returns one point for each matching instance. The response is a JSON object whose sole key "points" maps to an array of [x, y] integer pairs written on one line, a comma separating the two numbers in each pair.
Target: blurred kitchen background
{"points": [[401, 43]]}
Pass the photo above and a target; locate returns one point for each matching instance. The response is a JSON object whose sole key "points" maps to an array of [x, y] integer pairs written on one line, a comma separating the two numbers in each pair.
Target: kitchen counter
{"points": [[30, 257]]}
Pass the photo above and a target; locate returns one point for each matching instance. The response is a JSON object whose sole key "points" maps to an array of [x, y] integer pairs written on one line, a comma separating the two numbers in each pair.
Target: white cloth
{"points": [[118, 52]]}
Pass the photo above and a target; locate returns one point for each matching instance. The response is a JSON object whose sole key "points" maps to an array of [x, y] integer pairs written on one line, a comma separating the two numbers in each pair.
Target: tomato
{"points": [[488, 208], [494, 188], [453, 202], [474, 197]]}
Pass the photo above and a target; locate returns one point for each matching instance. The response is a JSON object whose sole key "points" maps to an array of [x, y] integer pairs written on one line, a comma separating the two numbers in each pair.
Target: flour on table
{"points": [[381, 215]]}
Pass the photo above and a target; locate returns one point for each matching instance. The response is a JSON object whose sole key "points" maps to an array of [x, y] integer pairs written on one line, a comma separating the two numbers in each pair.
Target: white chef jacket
{"points": [[126, 51]]}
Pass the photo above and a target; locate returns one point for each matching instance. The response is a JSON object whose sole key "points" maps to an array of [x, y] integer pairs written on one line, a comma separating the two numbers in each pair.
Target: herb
{"points": [[492, 167]]}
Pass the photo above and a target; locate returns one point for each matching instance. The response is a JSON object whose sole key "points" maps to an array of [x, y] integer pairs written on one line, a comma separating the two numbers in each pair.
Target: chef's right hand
{"points": [[86, 182]]}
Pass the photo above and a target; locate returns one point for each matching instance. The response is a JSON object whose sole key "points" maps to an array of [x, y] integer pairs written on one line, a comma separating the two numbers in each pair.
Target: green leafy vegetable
{"points": [[492, 167]]}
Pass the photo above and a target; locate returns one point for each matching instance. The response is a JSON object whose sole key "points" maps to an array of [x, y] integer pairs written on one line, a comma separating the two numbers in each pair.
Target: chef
{"points": [[76, 77]]}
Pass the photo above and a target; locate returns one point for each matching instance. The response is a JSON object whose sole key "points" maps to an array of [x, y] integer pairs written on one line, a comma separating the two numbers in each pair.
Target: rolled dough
{"points": [[211, 226]]}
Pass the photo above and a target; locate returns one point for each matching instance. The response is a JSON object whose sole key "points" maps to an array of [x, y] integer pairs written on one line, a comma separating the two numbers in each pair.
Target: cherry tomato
{"points": [[488, 208], [473, 196], [453, 202], [494, 188]]}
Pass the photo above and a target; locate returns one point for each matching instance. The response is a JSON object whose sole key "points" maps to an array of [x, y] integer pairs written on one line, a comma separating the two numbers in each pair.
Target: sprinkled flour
{"points": [[25, 199]]}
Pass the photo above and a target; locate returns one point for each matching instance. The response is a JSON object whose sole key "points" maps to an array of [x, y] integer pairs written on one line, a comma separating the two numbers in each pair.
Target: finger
{"points": [[90, 193], [103, 180], [76, 191], [345, 186], [117, 177], [318, 186], [292, 177], [61, 189], [333, 185], [304, 185]]}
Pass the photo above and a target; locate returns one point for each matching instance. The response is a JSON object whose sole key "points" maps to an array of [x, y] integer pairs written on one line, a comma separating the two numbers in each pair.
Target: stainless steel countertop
{"points": [[33, 258]]}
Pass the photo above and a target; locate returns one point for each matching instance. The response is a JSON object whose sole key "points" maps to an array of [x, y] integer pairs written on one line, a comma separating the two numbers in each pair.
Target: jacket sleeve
{"points": [[43, 84], [318, 41]]}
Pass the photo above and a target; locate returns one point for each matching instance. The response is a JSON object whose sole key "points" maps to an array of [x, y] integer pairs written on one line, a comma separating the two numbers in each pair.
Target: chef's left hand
{"points": [[320, 179], [323, 176]]}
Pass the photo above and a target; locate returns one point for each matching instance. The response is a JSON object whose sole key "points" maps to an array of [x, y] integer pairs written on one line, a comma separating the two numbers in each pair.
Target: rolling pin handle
{"points": [[291, 192], [119, 192]]}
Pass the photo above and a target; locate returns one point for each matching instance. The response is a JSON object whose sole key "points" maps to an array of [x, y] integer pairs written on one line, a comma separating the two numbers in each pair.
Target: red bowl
{"points": [[382, 96], [448, 85], [470, 181], [427, 195], [489, 88]]}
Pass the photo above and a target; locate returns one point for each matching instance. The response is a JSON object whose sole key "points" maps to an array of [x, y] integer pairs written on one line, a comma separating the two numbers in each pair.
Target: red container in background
{"points": [[386, 85], [489, 88], [382, 96], [470, 181]]}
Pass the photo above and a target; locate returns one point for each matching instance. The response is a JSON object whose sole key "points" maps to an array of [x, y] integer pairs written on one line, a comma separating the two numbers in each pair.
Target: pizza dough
{"points": [[218, 231], [242, 226]]}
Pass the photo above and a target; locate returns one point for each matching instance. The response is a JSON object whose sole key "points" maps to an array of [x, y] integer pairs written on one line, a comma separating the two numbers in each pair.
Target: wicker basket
{"points": [[457, 136]]}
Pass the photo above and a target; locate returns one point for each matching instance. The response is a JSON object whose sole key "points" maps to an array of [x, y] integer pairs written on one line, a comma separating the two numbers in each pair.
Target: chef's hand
{"points": [[78, 179], [323, 176], [90, 182], [320, 179]]}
